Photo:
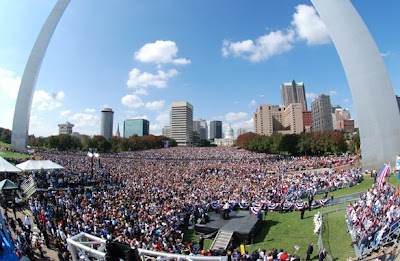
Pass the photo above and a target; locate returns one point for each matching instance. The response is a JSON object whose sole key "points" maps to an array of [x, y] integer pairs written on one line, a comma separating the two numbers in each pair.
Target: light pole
{"points": [[92, 154]]}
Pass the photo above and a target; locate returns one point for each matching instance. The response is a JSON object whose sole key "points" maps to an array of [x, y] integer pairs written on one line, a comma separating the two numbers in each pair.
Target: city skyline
{"points": [[92, 64]]}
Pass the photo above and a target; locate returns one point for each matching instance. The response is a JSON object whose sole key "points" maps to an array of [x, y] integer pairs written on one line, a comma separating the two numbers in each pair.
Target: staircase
{"points": [[28, 187], [222, 239]]}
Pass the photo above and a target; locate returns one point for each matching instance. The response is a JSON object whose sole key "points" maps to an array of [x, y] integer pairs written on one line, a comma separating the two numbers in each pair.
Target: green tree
{"points": [[204, 143], [304, 143], [276, 147], [5, 135], [289, 143]]}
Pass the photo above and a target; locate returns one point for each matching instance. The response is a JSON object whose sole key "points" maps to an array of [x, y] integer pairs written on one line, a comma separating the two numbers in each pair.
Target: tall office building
{"points": [[269, 119], [65, 128], [241, 131], [321, 110], [200, 126], [215, 130], [107, 120], [293, 92], [307, 121], [166, 131], [182, 123], [139, 127]]}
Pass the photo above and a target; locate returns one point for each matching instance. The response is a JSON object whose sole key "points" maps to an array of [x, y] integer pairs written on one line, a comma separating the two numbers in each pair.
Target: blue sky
{"points": [[137, 57]]}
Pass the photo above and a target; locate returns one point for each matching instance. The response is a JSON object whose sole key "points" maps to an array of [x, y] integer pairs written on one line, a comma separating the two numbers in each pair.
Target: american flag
{"points": [[383, 174]]}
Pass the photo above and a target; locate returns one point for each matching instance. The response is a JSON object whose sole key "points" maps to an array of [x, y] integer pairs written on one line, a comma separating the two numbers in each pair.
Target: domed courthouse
{"points": [[229, 140]]}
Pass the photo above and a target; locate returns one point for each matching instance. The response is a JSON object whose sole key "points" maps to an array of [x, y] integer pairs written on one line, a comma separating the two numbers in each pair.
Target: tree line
{"points": [[295, 144], [65, 142], [5, 135]]}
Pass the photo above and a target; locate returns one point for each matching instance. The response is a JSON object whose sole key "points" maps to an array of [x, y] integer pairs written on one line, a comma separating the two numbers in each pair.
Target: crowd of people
{"points": [[145, 198], [373, 219]]}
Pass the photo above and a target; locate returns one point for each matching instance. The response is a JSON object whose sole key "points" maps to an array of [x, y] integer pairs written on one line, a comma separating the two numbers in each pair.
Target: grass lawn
{"points": [[3, 144], [335, 237], [394, 180], [9, 154], [285, 231]]}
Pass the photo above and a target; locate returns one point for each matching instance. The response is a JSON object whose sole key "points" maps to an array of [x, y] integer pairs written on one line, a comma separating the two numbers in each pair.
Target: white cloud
{"points": [[163, 118], [155, 105], [386, 54], [160, 52], [249, 125], [332, 93], [89, 110], [9, 83], [156, 129], [85, 123], [235, 116], [41, 126], [137, 79], [132, 101], [263, 48], [65, 113], [141, 92], [306, 25], [252, 103], [44, 101], [7, 116], [309, 26], [140, 117], [311, 95]]}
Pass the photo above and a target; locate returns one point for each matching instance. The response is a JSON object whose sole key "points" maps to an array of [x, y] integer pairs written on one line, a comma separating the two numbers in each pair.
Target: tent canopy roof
{"points": [[5, 166], [38, 165], [7, 184]]}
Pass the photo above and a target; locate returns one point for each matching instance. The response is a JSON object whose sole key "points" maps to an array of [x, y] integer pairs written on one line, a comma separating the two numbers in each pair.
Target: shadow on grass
{"points": [[264, 229]]}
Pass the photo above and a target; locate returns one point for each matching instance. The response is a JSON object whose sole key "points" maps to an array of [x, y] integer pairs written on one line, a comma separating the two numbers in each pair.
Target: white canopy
{"points": [[38, 165], [5, 166]]}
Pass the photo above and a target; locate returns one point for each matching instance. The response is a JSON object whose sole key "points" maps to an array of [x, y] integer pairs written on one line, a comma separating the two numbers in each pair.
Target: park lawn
{"points": [[10, 154], [3, 144], [285, 230], [394, 180], [335, 237]]}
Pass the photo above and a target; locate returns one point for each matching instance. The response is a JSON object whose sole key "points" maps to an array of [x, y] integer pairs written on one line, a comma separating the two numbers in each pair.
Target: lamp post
{"points": [[92, 154]]}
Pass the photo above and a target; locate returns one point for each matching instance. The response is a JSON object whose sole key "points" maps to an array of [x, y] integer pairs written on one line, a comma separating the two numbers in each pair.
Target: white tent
{"points": [[38, 165], [5, 166]]}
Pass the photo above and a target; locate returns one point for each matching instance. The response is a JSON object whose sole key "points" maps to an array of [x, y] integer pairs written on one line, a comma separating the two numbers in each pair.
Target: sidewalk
{"points": [[49, 253]]}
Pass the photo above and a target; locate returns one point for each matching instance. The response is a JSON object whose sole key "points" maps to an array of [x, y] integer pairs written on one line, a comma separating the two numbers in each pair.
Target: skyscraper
{"points": [[293, 92], [182, 123], [107, 119], [65, 128], [215, 130], [166, 131], [140, 127], [321, 110], [241, 131], [269, 119], [200, 126]]}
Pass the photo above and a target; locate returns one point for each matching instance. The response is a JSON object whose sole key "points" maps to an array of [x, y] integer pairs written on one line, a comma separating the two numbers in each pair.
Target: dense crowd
{"points": [[374, 218], [145, 198]]}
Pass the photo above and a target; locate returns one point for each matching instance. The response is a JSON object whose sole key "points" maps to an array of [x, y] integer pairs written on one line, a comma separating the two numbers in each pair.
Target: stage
{"points": [[242, 223]]}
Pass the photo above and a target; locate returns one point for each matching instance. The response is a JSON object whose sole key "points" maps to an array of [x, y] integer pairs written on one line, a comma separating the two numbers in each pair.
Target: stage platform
{"points": [[242, 223]]}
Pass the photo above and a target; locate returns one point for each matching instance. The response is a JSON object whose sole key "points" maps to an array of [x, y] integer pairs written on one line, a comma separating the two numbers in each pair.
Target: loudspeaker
{"points": [[117, 251]]}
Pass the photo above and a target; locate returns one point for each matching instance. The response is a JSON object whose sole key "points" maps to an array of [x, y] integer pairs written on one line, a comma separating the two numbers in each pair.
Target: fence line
{"points": [[321, 213]]}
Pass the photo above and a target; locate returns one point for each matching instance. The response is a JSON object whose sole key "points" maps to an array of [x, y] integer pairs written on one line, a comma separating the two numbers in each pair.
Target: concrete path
{"points": [[49, 253]]}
